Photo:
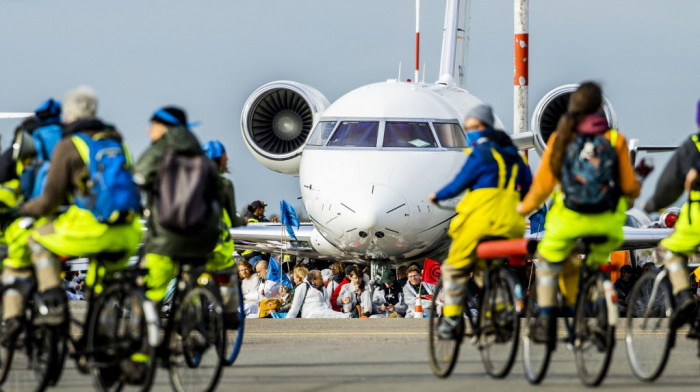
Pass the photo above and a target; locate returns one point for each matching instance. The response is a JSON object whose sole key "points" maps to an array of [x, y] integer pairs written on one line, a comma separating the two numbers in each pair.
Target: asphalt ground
{"points": [[391, 355]]}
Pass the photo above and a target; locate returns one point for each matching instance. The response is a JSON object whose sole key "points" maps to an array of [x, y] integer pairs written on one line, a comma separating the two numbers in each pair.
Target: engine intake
{"points": [[550, 109], [277, 120]]}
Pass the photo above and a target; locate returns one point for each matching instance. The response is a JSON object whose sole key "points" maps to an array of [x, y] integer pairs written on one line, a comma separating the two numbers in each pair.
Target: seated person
{"points": [[299, 276], [268, 288], [387, 299], [356, 293], [312, 301], [250, 286], [415, 288]]}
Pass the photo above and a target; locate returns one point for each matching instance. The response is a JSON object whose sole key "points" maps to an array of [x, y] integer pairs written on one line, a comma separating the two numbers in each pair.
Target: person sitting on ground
{"points": [[387, 299], [623, 286], [268, 288], [327, 275], [337, 276], [250, 286], [401, 277], [312, 301], [299, 276], [356, 293], [416, 288], [343, 282]]}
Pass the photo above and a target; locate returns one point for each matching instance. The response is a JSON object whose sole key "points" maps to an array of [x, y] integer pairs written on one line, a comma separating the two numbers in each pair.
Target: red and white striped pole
{"points": [[520, 79], [415, 76]]}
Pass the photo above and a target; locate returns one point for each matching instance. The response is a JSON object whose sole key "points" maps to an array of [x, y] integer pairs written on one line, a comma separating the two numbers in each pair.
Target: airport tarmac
{"points": [[391, 355]]}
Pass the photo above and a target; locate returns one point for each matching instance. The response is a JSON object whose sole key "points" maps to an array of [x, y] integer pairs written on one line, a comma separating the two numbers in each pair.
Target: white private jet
{"points": [[367, 162]]}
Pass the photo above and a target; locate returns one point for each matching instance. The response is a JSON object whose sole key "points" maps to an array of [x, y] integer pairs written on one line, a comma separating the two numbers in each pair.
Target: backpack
{"points": [[33, 177], [111, 194], [185, 191], [589, 174]]}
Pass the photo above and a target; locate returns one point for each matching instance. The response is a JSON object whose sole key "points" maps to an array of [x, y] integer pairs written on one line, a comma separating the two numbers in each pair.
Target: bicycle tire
{"points": [[63, 331], [198, 319], [443, 353], [234, 337], [536, 356], [646, 358], [594, 336], [500, 325], [118, 339], [6, 355]]}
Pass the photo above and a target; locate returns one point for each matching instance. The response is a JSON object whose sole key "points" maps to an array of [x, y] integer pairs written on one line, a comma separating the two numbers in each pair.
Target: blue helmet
{"points": [[214, 149]]}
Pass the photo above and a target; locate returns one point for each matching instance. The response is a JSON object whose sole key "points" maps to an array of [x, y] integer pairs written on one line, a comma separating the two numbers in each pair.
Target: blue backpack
{"points": [[589, 174], [111, 194], [33, 177]]}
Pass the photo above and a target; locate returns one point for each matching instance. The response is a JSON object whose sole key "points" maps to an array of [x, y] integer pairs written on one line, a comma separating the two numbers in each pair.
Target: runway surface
{"points": [[391, 355]]}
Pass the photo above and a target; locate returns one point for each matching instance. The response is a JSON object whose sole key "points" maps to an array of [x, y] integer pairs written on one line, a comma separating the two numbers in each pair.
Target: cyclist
{"points": [[73, 231], [496, 177], [681, 173], [563, 224], [222, 256], [170, 131]]}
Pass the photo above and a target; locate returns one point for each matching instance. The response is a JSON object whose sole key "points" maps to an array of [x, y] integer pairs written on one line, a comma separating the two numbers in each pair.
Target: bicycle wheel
{"points": [[6, 353], [197, 342], [120, 341], [234, 336], [594, 336], [500, 326], [32, 357], [443, 353], [536, 355], [648, 312]]}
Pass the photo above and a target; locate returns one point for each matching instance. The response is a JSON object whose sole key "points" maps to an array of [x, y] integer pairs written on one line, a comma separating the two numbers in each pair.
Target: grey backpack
{"points": [[185, 191]]}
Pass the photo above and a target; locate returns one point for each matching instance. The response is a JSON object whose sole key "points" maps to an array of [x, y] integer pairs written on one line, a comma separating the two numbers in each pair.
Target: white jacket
{"points": [[409, 297], [365, 300], [313, 303]]}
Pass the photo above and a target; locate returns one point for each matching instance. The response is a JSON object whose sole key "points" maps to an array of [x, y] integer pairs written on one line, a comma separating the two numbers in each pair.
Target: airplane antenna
{"points": [[417, 40], [399, 77], [520, 79], [423, 80]]}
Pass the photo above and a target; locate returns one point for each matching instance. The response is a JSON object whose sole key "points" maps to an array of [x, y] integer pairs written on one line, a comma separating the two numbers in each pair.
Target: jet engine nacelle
{"points": [[277, 120], [550, 109]]}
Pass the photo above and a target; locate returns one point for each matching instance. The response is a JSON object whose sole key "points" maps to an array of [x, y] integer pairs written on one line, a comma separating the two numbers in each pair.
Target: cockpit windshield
{"points": [[408, 135], [356, 134], [321, 133], [450, 135]]}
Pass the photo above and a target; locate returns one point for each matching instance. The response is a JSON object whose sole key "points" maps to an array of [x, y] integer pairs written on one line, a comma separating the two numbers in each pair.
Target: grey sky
{"points": [[208, 56]]}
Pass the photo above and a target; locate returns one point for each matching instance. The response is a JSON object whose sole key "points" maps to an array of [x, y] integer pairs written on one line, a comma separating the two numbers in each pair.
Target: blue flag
{"points": [[274, 271], [289, 218], [537, 220]]}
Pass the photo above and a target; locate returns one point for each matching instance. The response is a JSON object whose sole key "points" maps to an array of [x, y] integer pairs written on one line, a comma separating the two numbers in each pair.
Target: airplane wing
{"points": [[273, 238]]}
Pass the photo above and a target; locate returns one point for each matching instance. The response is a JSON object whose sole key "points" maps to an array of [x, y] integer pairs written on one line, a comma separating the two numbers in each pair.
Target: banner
{"points": [[274, 273], [431, 271], [289, 218]]}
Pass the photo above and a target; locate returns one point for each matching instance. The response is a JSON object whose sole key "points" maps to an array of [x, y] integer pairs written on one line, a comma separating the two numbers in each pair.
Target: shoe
{"points": [[52, 307], [10, 330], [544, 329], [685, 308], [447, 330]]}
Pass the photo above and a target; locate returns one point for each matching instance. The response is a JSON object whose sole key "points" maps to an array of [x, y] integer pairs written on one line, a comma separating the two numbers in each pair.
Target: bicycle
{"points": [[651, 300], [120, 332], [591, 334], [234, 333], [31, 360], [193, 345], [493, 324]]}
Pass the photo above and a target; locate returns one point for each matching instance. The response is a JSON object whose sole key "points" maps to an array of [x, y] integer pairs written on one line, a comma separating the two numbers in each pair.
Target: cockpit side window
{"points": [[356, 134], [408, 135], [321, 133], [450, 135]]}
